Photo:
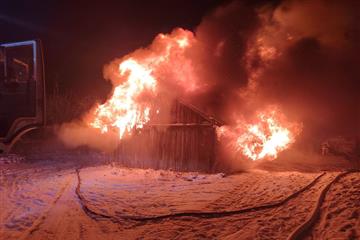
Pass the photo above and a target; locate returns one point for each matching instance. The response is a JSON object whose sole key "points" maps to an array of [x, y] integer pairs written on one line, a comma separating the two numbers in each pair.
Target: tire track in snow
{"points": [[233, 200], [25, 202], [213, 214], [301, 231], [37, 223]]}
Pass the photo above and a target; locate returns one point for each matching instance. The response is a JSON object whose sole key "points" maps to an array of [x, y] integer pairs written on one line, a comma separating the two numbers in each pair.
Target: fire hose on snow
{"points": [[301, 231], [213, 214]]}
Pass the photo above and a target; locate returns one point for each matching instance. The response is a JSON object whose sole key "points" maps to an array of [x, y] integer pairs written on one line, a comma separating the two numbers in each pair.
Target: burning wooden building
{"points": [[186, 143]]}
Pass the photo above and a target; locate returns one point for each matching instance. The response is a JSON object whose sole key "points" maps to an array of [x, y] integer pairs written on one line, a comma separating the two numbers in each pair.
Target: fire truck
{"points": [[22, 90]]}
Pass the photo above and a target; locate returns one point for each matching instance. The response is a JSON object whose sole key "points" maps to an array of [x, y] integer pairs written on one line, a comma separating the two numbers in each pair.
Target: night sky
{"points": [[79, 37]]}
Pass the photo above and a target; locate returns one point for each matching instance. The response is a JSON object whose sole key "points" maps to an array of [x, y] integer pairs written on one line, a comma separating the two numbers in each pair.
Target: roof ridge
{"points": [[209, 118]]}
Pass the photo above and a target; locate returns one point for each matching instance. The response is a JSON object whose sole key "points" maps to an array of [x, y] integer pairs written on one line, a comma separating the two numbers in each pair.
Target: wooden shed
{"points": [[186, 143]]}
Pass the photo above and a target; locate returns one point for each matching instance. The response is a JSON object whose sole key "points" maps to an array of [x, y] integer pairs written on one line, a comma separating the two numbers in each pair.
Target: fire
{"points": [[136, 80], [142, 77], [264, 139], [122, 110]]}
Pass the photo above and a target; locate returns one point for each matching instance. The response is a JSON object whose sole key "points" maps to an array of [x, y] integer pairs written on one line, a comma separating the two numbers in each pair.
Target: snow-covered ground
{"points": [[340, 213], [46, 200]]}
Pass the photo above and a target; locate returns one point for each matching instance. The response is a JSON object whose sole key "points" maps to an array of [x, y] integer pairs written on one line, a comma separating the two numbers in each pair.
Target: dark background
{"points": [[79, 37]]}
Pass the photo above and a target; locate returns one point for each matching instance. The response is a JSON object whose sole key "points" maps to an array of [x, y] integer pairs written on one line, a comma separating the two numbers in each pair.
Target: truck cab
{"points": [[22, 90]]}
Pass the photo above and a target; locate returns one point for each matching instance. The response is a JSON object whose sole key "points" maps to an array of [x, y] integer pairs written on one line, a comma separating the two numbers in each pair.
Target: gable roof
{"points": [[196, 110]]}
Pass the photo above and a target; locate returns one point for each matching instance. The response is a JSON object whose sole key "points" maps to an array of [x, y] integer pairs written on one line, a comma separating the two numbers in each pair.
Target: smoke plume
{"points": [[302, 56]]}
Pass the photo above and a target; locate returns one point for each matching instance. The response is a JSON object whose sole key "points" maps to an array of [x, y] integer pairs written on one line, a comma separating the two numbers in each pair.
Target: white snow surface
{"points": [[39, 201], [149, 192]]}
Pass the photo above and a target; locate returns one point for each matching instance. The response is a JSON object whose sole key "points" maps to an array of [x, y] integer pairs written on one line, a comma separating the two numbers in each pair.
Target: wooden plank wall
{"points": [[188, 145], [183, 114], [175, 148]]}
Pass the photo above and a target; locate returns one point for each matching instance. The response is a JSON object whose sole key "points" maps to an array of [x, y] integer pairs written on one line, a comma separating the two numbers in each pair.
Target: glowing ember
{"points": [[267, 137], [136, 83]]}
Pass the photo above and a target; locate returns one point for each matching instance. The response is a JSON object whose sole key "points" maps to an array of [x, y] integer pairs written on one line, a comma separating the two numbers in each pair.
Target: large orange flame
{"points": [[141, 77], [136, 83], [122, 110], [263, 139]]}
